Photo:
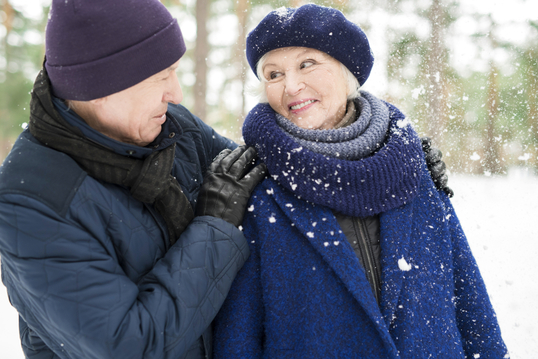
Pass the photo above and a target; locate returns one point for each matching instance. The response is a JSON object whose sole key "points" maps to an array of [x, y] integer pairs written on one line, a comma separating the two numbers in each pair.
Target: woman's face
{"points": [[306, 86]]}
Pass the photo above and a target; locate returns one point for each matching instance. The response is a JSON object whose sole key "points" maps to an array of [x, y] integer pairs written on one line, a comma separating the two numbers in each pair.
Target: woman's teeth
{"points": [[301, 105]]}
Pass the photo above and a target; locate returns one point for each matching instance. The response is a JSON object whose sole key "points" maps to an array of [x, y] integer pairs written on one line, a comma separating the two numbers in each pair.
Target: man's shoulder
{"points": [[34, 170], [184, 117]]}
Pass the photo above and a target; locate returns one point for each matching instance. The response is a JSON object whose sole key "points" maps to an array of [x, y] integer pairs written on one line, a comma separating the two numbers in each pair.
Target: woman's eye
{"points": [[306, 64], [273, 75]]}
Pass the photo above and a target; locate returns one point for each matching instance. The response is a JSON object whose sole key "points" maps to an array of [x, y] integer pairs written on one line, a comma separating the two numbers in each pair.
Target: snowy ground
{"points": [[500, 218]]}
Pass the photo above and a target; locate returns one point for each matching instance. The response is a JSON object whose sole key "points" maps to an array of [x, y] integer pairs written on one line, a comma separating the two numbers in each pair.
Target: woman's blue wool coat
{"points": [[303, 294]]}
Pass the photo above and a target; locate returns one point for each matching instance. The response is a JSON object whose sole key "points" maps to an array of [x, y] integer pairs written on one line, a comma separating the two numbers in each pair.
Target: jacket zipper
{"points": [[368, 257]]}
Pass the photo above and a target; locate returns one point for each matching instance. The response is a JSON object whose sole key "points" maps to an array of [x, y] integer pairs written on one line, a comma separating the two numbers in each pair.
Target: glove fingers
{"points": [[442, 181], [243, 164], [438, 169], [433, 156], [216, 162], [426, 143], [226, 162], [255, 176]]}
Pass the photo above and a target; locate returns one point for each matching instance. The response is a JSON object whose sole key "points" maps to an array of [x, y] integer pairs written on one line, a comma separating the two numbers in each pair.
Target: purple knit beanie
{"points": [[100, 47], [317, 27]]}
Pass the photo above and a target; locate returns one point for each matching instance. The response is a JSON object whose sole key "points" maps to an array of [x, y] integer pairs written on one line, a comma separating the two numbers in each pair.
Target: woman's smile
{"points": [[306, 86], [301, 106]]}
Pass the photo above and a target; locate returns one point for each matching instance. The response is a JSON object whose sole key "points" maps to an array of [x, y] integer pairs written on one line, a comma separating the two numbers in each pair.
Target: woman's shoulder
{"points": [[267, 193]]}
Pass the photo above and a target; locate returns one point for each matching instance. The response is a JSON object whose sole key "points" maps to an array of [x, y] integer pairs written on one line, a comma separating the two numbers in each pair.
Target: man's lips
{"points": [[160, 117]]}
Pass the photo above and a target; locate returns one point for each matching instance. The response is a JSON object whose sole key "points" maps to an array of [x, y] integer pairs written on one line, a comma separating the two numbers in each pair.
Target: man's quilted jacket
{"points": [[90, 269]]}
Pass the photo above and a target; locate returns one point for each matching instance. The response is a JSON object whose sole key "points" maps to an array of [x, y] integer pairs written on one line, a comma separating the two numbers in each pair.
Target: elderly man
{"points": [[111, 246]]}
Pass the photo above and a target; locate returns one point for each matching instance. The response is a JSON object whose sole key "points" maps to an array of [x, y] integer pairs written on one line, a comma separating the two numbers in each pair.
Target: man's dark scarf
{"points": [[321, 173], [149, 180]]}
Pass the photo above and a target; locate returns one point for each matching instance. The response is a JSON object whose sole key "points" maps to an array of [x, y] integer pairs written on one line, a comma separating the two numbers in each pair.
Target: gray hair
{"points": [[259, 90]]}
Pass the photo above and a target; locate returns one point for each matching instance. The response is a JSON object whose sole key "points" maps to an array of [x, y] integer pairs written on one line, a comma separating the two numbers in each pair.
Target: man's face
{"points": [[135, 115]]}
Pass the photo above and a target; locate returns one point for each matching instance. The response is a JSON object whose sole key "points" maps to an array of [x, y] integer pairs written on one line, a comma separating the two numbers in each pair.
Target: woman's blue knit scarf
{"points": [[362, 187], [356, 141]]}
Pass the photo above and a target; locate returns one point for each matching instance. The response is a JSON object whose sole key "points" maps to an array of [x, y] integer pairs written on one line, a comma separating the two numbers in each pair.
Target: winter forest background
{"points": [[465, 72]]}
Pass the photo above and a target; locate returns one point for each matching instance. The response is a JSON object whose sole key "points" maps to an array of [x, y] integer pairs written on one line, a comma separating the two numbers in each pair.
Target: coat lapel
{"points": [[319, 226], [396, 227]]}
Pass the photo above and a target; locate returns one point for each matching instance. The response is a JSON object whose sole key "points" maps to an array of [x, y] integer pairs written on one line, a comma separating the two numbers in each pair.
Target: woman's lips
{"points": [[300, 106]]}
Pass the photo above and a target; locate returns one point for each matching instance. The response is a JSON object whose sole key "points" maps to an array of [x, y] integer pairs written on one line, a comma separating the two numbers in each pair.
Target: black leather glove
{"points": [[436, 166], [228, 184]]}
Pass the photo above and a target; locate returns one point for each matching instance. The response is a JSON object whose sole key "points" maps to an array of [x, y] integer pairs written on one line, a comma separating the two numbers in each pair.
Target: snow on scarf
{"points": [[384, 180]]}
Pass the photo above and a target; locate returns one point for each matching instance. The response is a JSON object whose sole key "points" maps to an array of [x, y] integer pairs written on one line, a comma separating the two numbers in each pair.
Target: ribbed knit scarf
{"points": [[346, 175], [149, 180], [353, 142]]}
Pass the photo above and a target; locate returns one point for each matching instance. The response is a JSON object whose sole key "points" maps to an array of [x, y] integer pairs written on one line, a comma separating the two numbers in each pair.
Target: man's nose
{"points": [[173, 93]]}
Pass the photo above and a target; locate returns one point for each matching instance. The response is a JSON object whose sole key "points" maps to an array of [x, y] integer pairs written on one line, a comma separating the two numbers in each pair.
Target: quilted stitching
{"points": [[99, 280]]}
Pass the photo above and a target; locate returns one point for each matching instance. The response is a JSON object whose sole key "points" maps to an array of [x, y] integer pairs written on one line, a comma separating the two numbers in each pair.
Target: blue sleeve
{"points": [[238, 328], [68, 285], [212, 141], [477, 321]]}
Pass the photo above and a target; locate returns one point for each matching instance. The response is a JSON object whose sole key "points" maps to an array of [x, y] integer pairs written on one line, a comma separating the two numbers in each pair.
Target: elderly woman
{"points": [[354, 252]]}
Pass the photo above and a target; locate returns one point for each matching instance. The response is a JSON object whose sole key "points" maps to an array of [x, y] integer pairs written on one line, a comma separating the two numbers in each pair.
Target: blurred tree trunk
{"points": [[201, 53], [241, 11], [8, 24], [9, 15], [532, 102], [492, 160], [435, 73]]}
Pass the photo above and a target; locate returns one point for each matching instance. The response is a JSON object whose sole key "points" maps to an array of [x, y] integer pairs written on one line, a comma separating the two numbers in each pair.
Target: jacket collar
{"points": [[163, 140]]}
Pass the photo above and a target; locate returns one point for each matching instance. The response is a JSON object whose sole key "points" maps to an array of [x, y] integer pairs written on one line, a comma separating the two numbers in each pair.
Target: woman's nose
{"points": [[294, 83]]}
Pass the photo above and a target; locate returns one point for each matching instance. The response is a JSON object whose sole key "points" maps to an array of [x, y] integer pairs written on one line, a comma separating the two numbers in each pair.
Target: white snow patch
{"points": [[251, 208], [272, 219], [310, 234], [282, 12], [402, 123], [403, 265]]}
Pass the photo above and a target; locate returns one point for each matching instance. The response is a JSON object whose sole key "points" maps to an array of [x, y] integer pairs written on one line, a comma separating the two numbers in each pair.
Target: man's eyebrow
{"points": [[174, 67]]}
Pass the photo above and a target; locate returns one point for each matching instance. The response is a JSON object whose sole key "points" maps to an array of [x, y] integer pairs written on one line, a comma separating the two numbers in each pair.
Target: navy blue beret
{"points": [[313, 26]]}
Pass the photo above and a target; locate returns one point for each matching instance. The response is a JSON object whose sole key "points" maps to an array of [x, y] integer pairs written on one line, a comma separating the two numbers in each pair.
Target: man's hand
{"points": [[436, 166], [228, 184]]}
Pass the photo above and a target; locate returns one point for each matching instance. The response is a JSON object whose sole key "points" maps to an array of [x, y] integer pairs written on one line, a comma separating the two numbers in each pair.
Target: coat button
{"points": [[172, 134]]}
